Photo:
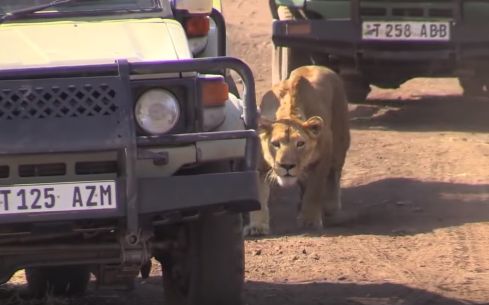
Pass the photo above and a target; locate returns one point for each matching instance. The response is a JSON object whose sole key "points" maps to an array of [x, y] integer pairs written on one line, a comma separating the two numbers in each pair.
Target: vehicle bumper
{"points": [[157, 194], [137, 196], [343, 39]]}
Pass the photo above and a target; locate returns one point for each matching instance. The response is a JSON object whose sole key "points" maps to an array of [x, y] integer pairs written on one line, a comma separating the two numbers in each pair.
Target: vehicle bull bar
{"points": [[128, 142]]}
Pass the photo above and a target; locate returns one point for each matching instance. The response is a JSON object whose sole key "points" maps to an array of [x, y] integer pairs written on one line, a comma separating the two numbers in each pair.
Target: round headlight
{"points": [[157, 111]]}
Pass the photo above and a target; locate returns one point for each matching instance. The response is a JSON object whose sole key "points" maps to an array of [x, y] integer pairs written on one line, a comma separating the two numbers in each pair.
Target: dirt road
{"points": [[416, 182]]}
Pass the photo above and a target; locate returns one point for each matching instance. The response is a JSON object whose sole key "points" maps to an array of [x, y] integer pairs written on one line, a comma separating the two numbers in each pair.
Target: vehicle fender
{"points": [[217, 4], [194, 6], [225, 149], [234, 115], [212, 46]]}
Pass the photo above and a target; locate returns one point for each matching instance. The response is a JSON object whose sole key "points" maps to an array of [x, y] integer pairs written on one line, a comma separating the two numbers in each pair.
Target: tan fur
{"points": [[305, 136]]}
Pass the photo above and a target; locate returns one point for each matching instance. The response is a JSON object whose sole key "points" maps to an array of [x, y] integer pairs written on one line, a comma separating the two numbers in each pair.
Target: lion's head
{"points": [[289, 147], [292, 143]]}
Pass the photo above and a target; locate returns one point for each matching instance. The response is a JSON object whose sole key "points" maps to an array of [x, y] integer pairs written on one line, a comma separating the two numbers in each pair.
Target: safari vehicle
{"points": [[384, 42], [120, 142]]}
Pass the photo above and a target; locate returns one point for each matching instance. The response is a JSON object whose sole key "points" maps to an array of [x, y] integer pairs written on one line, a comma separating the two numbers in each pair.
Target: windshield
{"points": [[78, 6]]}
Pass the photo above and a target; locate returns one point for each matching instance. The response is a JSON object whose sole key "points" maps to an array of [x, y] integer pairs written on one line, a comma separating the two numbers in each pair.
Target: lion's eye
{"points": [[276, 144], [300, 144]]}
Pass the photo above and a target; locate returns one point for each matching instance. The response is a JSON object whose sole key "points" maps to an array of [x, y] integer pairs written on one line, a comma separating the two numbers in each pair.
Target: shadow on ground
{"points": [[264, 293], [148, 292], [394, 206], [435, 113], [260, 293]]}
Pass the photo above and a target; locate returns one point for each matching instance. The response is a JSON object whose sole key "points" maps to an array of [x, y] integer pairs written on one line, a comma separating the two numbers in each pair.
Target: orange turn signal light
{"points": [[197, 26], [214, 92]]}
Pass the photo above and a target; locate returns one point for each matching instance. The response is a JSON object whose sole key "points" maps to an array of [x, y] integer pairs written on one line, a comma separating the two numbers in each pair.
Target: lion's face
{"points": [[289, 148]]}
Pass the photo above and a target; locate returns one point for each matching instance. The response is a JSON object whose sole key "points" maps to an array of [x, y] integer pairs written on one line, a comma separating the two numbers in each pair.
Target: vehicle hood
{"points": [[61, 43]]}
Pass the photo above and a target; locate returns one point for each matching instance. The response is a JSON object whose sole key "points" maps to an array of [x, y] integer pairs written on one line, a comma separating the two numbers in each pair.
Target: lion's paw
{"points": [[310, 223], [256, 230], [340, 218]]}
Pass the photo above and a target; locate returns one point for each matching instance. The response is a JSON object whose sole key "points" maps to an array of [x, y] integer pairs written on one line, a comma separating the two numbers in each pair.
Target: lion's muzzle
{"points": [[286, 174]]}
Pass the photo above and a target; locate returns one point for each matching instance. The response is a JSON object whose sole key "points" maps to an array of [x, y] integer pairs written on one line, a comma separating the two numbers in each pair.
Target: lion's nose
{"points": [[287, 166]]}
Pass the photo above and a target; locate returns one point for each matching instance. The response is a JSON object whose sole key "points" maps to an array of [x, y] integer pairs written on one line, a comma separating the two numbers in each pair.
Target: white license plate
{"points": [[427, 31], [38, 198]]}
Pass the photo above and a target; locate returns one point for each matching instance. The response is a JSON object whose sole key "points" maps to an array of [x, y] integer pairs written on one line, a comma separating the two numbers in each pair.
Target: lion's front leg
{"points": [[260, 220], [311, 213], [332, 213], [332, 202]]}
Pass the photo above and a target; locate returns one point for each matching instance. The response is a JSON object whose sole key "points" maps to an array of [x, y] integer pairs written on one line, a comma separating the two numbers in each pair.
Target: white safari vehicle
{"points": [[120, 143]]}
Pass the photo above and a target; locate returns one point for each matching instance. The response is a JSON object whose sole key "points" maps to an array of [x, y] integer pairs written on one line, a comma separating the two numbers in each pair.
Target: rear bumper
{"points": [[343, 39]]}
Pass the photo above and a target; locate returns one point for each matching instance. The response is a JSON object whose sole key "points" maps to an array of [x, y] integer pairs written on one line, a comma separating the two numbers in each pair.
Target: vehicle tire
{"points": [[5, 275], [472, 86], [210, 271], [285, 60], [60, 281], [356, 89]]}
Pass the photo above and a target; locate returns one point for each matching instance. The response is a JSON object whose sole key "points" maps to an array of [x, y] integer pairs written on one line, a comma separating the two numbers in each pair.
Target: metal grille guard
{"points": [[128, 142]]}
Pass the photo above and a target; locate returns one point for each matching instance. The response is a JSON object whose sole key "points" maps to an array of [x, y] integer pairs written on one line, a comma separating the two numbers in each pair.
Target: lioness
{"points": [[304, 135]]}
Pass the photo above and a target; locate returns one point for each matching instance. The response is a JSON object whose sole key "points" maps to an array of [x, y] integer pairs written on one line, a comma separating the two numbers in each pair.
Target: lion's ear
{"points": [[264, 124], [314, 124], [269, 104]]}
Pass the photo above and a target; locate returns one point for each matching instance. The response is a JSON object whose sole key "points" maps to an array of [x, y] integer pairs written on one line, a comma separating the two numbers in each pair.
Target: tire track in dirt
{"points": [[470, 245], [383, 259], [460, 270], [395, 263], [438, 259]]}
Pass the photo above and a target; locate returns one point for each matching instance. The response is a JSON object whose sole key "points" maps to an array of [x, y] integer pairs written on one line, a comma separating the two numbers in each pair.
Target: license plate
{"points": [[38, 198], [427, 31]]}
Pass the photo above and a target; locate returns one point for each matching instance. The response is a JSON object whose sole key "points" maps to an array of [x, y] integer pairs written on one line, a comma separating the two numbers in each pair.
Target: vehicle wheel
{"points": [[285, 60], [356, 89], [474, 87], [62, 280], [210, 271], [5, 274]]}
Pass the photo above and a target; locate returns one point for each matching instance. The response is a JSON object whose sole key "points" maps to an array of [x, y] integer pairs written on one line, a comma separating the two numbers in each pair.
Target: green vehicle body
{"points": [[70, 86], [330, 33]]}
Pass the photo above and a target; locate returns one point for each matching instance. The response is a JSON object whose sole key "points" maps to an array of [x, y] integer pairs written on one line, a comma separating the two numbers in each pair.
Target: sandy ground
{"points": [[416, 184]]}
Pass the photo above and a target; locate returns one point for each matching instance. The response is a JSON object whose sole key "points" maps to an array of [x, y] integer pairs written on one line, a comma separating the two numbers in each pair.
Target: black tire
{"points": [[473, 86], [211, 269], [59, 281], [285, 60], [4, 275], [356, 88]]}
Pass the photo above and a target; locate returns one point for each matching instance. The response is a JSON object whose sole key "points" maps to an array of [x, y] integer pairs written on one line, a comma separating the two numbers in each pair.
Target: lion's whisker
{"points": [[270, 177]]}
